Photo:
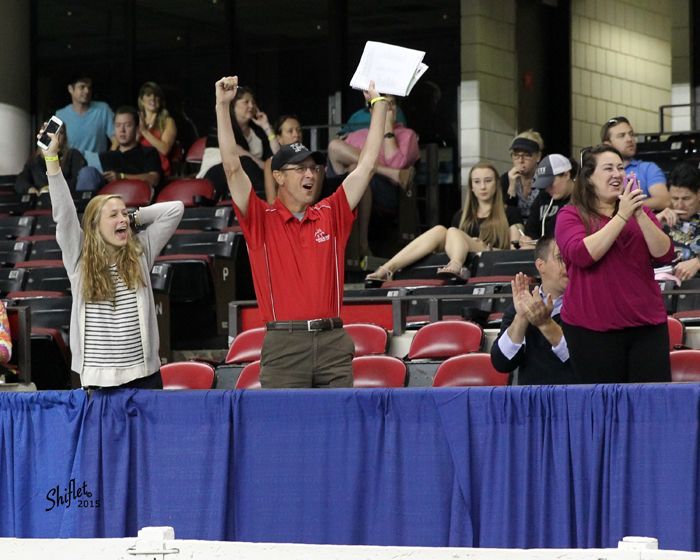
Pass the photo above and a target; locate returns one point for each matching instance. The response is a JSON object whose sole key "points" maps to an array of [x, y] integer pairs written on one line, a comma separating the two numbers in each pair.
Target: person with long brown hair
{"points": [[613, 316], [156, 127], [113, 330], [484, 224]]}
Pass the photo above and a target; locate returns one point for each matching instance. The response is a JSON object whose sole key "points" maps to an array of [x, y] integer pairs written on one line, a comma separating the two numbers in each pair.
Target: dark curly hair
{"points": [[685, 175]]}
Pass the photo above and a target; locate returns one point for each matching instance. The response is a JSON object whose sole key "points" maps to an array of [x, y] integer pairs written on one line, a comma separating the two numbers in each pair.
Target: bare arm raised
{"points": [[238, 182], [356, 182]]}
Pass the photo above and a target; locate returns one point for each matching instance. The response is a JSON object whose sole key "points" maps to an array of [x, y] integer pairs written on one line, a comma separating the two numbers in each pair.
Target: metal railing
{"points": [[400, 302], [662, 108]]}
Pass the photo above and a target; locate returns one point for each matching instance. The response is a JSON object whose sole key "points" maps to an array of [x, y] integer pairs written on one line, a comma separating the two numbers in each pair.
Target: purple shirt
{"points": [[619, 290]]}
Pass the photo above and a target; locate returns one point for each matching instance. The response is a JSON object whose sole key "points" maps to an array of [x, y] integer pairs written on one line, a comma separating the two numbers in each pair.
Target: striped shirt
{"points": [[112, 330]]}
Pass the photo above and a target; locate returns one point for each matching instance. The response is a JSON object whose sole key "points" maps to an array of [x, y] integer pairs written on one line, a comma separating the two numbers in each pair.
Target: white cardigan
{"points": [[162, 220]]}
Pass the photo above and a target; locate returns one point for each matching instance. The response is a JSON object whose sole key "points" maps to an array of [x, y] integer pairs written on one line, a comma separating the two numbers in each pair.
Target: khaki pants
{"points": [[302, 360]]}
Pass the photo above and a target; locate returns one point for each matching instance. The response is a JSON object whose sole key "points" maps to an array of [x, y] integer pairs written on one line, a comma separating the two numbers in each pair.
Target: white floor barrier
{"points": [[150, 545]]}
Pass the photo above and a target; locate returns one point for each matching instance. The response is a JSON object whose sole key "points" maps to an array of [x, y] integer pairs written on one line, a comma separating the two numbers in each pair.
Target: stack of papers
{"points": [[395, 70]]}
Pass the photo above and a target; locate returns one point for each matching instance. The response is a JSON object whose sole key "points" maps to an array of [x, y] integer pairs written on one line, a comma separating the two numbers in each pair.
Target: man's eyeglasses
{"points": [[301, 169], [526, 156]]}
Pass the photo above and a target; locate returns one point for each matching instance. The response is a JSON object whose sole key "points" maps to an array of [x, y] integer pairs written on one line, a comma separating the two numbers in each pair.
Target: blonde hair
{"points": [[97, 279], [494, 230]]}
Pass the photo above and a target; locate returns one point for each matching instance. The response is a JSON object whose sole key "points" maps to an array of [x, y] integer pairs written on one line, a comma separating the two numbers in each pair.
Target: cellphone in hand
{"points": [[53, 126], [632, 180]]}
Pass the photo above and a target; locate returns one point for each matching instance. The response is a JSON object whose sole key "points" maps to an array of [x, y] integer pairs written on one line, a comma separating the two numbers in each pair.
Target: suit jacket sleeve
{"points": [[499, 361]]}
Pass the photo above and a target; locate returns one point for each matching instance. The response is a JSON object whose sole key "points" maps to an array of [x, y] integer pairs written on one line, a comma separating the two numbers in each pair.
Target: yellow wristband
{"points": [[371, 103], [121, 175], [50, 158], [272, 137]]}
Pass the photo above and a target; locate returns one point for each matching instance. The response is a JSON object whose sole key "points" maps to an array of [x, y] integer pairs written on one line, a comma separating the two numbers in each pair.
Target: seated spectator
{"points": [[256, 142], [553, 181], [156, 126], [485, 224], [395, 170], [525, 151], [130, 160], [33, 179], [89, 124], [682, 221], [5, 344], [531, 338], [617, 132], [360, 119]]}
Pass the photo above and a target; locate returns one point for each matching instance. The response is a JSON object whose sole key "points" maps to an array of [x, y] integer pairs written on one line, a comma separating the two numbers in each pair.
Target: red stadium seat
{"points": [[378, 371], [368, 338], [135, 192], [187, 375], [185, 190], [676, 332], [250, 377], [445, 339], [469, 370], [175, 157], [246, 347], [196, 151], [685, 366]]}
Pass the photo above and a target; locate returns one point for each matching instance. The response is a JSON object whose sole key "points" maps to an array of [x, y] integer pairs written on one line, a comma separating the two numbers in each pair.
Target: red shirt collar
{"points": [[286, 215]]}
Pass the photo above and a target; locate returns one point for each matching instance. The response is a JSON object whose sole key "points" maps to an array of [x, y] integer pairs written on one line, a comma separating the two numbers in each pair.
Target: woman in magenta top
{"points": [[613, 315]]}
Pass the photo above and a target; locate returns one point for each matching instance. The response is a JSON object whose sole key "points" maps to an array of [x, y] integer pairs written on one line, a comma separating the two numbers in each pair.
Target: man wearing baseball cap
{"points": [[554, 183], [525, 151], [297, 252]]}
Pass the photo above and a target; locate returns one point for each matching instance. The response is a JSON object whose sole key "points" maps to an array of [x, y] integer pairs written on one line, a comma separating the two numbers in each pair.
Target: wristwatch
{"points": [[134, 221], [389, 135]]}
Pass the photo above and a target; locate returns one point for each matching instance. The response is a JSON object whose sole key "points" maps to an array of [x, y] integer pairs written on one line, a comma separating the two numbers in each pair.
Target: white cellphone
{"points": [[53, 126]]}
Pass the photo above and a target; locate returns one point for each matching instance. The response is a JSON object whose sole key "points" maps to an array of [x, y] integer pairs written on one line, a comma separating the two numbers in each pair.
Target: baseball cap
{"points": [[294, 153], [548, 168]]}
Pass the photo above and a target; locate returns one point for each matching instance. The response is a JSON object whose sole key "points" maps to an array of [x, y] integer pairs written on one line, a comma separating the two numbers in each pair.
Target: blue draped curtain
{"points": [[522, 467]]}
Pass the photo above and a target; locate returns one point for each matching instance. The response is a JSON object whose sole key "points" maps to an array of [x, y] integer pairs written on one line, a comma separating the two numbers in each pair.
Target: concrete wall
{"points": [[488, 104], [14, 85], [621, 64], [680, 65]]}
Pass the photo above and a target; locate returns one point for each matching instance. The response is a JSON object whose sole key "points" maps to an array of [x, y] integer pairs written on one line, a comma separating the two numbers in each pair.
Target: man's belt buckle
{"points": [[314, 325]]}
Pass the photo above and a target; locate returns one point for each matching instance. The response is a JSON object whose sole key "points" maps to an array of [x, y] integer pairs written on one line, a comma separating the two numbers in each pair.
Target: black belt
{"points": [[312, 325]]}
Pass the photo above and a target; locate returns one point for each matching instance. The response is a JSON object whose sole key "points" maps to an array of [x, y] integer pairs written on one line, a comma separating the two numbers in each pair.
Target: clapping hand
{"points": [[538, 312], [520, 291]]}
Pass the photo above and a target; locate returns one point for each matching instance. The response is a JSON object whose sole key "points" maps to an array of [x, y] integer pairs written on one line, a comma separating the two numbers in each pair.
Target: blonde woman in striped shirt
{"points": [[113, 330]]}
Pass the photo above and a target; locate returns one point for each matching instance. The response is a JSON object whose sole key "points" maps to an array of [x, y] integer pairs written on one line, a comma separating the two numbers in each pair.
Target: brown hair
{"points": [[95, 274], [494, 230], [584, 197], [605, 130], [157, 91]]}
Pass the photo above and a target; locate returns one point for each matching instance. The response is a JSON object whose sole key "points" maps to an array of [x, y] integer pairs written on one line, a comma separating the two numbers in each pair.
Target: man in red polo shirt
{"points": [[297, 252]]}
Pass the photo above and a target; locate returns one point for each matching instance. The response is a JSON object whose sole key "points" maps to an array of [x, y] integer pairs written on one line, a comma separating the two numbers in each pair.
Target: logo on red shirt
{"points": [[320, 236]]}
